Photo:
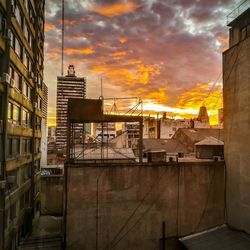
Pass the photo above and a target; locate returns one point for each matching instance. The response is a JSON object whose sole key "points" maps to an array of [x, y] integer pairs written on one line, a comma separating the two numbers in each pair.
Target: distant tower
{"points": [[203, 116], [69, 86]]}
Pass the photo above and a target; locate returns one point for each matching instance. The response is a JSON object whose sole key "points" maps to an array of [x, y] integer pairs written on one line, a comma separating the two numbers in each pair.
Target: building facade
{"points": [[236, 92], [69, 86], [22, 98]]}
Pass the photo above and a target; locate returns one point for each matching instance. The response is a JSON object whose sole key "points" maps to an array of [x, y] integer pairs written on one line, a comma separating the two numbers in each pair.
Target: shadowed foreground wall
{"points": [[52, 195], [236, 64], [189, 197]]}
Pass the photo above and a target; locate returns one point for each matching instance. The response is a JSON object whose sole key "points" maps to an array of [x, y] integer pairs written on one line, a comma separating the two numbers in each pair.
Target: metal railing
{"points": [[238, 11]]}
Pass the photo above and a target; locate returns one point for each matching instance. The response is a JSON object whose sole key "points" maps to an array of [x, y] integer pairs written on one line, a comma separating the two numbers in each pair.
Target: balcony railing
{"points": [[238, 11]]}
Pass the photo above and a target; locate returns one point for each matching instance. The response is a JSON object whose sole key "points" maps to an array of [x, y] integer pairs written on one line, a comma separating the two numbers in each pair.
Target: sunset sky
{"points": [[167, 52]]}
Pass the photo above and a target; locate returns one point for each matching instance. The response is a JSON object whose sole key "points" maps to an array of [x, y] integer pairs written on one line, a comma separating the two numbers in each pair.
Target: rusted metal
{"points": [[91, 111]]}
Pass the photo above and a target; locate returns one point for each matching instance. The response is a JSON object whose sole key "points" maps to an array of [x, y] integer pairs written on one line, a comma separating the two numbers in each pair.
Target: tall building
{"points": [[236, 92], [22, 98], [69, 86]]}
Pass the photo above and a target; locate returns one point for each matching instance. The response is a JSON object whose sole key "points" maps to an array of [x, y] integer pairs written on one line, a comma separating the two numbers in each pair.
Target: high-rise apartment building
{"points": [[22, 108], [69, 86]]}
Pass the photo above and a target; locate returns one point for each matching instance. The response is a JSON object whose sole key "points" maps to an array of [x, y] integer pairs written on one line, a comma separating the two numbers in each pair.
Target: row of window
{"points": [[20, 116], [17, 146], [11, 213], [20, 84]]}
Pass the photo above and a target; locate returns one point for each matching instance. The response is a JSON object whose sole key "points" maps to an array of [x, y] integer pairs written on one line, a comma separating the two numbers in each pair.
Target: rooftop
{"points": [[232, 16]]}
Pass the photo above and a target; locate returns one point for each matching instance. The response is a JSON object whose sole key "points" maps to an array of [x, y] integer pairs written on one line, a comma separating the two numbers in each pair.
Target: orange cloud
{"points": [[115, 9], [85, 51], [49, 26], [118, 55], [209, 95], [141, 74], [123, 39]]}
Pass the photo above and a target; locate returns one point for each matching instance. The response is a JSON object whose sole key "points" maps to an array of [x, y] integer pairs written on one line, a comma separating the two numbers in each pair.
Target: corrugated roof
{"points": [[110, 153], [219, 239], [210, 141], [170, 145]]}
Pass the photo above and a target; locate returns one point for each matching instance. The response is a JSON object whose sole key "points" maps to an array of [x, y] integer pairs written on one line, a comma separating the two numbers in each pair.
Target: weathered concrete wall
{"points": [[51, 195], [189, 197], [236, 64]]}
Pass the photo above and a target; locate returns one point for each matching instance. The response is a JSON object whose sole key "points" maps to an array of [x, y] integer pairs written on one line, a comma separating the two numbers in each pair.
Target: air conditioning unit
{"points": [[5, 78], [12, 82]]}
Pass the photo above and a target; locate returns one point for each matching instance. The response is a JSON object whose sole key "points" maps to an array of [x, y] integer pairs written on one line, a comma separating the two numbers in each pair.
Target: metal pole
{"points": [[163, 235], [141, 141], [62, 65], [97, 211]]}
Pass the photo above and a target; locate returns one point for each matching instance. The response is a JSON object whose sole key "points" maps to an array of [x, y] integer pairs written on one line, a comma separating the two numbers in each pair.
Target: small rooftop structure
{"points": [[209, 148], [221, 238], [210, 140], [168, 145]]}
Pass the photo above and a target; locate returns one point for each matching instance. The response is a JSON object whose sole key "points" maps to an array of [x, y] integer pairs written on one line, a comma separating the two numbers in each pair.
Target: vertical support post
{"points": [[97, 212], [163, 235], [141, 141]]}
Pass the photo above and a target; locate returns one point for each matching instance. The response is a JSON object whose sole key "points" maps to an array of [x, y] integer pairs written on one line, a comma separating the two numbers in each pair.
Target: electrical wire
{"points": [[157, 180]]}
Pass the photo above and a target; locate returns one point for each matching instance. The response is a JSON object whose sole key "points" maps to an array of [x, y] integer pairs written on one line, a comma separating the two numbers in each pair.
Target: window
{"points": [[13, 147], [16, 45], [16, 78], [19, 16], [26, 145], [14, 113], [11, 181], [26, 118], [26, 90], [38, 123]]}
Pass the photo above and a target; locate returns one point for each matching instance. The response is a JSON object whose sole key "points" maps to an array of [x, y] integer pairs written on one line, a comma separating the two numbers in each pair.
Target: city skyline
{"points": [[166, 52]]}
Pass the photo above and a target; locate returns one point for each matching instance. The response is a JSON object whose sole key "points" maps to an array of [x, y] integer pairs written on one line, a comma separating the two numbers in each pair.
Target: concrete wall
{"points": [[51, 195], [236, 64], [189, 197]]}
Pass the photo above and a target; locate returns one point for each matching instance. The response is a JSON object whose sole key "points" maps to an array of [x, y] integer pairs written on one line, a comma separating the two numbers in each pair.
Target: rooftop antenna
{"points": [[101, 88], [62, 65]]}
